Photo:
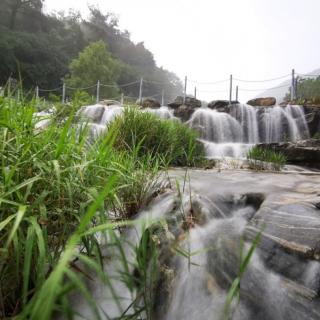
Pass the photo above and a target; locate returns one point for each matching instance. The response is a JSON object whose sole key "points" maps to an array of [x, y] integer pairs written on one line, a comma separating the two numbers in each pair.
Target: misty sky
{"points": [[207, 40]]}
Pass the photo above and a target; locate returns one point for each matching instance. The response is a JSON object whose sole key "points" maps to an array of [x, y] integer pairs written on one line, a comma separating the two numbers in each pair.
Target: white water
{"points": [[223, 134], [197, 288], [163, 112], [232, 135]]}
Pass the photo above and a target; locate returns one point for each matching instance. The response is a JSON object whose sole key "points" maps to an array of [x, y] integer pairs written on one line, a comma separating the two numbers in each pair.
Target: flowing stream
{"points": [[281, 282]]}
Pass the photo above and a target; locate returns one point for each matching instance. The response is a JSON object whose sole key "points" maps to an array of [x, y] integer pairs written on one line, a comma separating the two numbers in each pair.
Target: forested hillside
{"points": [[40, 49]]}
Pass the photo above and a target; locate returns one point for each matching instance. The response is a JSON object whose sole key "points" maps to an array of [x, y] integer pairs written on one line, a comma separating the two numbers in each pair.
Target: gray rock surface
{"points": [[304, 153]]}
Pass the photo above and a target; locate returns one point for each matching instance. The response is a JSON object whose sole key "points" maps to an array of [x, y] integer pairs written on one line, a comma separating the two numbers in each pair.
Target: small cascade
{"points": [[247, 117], [110, 113], [163, 112], [216, 126], [233, 134], [283, 124], [230, 149], [99, 116]]}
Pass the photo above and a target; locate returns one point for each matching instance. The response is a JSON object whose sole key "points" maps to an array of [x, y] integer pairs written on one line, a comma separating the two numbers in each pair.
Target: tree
{"points": [[95, 63], [17, 5], [307, 89]]}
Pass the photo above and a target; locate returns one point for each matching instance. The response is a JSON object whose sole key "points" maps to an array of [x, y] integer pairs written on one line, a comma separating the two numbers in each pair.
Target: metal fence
{"points": [[229, 89]]}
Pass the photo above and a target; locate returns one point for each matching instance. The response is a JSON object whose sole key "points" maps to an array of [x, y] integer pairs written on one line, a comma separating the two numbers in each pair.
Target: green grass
{"points": [[261, 159], [53, 189], [173, 142]]}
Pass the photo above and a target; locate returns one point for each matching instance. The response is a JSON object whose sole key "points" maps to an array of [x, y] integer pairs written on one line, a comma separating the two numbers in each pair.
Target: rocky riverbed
{"points": [[210, 214]]}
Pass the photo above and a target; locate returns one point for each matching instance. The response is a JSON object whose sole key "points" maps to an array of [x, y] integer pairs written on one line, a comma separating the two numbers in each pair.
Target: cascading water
{"points": [[163, 112], [233, 134]]}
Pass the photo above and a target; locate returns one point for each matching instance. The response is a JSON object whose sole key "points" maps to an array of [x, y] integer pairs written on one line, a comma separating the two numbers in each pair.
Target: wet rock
{"points": [[190, 101], [262, 102], [221, 105], [183, 112], [110, 103], [292, 227], [254, 199], [312, 113], [150, 103], [304, 153]]}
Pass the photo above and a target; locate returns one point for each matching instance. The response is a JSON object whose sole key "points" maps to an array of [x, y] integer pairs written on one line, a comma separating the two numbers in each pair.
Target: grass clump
{"points": [[172, 141], [262, 159]]}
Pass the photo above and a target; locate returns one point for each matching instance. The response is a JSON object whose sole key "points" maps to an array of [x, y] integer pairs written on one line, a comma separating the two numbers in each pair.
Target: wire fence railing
{"points": [[233, 84]]}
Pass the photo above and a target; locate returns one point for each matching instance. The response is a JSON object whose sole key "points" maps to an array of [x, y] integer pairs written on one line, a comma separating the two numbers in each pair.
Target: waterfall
{"points": [[232, 134], [283, 124], [163, 112], [247, 117], [216, 126]]}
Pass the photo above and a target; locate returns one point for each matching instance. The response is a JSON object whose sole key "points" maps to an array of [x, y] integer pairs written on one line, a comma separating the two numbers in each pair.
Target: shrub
{"points": [[172, 141], [261, 159], [316, 136]]}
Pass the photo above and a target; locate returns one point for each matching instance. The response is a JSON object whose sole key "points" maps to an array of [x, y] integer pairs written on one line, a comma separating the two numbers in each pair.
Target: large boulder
{"points": [[185, 110], [190, 102], [221, 105], [149, 103], [304, 153], [262, 102]]}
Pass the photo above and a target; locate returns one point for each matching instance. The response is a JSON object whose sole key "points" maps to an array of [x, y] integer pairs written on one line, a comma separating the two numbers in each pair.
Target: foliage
{"points": [[54, 188], [316, 135], [95, 62], [260, 159], [309, 88], [174, 142], [40, 47]]}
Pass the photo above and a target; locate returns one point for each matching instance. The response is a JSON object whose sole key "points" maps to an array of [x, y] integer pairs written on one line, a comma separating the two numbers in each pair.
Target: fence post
{"points": [[162, 98], [296, 88], [37, 92], [292, 85], [9, 86], [230, 93], [63, 93], [122, 99], [98, 91], [185, 89], [140, 91], [195, 92], [237, 93]]}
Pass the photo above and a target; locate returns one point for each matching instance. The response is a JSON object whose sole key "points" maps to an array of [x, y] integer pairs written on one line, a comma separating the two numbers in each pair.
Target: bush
{"points": [[316, 136], [172, 141], [261, 159]]}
